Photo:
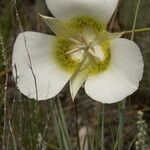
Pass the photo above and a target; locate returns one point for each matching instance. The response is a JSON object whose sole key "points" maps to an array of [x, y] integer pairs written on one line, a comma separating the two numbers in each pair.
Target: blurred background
{"points": [[27, 121]]}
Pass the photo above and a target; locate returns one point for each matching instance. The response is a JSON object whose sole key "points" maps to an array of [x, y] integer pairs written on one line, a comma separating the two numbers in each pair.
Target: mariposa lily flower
{"points": [[82, 52]]}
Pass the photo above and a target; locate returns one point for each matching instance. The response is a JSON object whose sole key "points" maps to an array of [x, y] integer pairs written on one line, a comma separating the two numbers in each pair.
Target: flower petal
{"points": [[121, 78], [50, 78], [65, 9]]}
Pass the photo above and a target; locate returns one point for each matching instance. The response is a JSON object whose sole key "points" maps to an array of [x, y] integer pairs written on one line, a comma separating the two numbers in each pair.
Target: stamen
{"points": [[83, 39], [72, 51], [83, 56], [83, 46], [93, 54], [75, 41]]}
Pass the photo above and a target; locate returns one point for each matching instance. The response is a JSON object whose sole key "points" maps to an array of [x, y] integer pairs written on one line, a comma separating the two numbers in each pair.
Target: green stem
{"points": [[102, 128], [121, 109], [76, 125], [135, 19], [135, 31]]}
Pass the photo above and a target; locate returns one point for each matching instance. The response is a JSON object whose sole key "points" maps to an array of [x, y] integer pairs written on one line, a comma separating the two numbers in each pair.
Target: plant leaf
{"points": [[61, 128], [63, 122]]}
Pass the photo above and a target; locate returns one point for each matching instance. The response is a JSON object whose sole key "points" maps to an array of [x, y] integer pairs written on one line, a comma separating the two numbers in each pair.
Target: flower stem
{"points": [[121, 109], [76, 124], [135, 31], [102, 127], [135, 19]]}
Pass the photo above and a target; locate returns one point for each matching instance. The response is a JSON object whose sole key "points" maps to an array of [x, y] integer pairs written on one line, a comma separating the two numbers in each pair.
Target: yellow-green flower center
{"points": [[79, 23], [92, 39]]}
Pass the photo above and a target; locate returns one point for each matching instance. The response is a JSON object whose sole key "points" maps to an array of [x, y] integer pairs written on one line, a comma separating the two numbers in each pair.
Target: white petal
{"points": [[65, 9], [121, 78], [50, 78]]}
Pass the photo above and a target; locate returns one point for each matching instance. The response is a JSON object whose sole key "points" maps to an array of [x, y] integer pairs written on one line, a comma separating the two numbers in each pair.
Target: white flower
{"points": [[82, 51]]}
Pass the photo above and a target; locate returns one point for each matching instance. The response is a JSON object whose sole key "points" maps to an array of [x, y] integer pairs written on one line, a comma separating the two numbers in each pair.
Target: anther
{"points": [[72, 51]]}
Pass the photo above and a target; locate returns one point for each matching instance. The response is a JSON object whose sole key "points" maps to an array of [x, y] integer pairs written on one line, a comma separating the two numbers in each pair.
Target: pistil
{"points": [[82, 47]]}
